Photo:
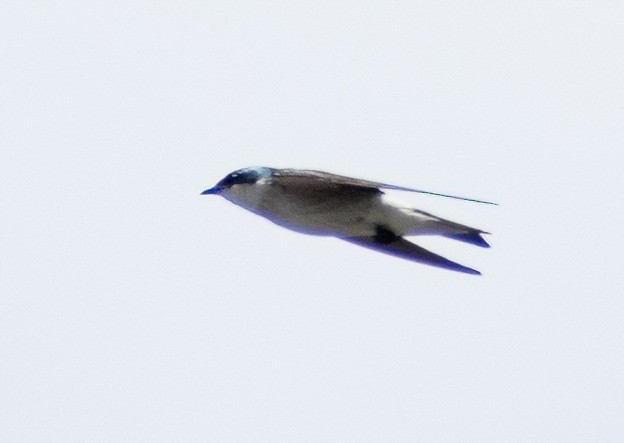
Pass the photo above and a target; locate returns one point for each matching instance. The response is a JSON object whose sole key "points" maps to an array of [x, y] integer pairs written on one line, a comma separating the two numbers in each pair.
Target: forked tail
{"points": [[456, 231], [473, 236]]}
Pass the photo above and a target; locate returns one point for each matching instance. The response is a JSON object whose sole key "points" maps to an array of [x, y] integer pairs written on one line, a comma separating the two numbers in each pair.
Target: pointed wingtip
{"points": [[420, 191], [453, 266], [472, 271]]}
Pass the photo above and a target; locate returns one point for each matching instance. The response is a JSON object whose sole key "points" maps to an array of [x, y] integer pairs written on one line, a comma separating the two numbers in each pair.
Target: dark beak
{"points": [[214, 190]]}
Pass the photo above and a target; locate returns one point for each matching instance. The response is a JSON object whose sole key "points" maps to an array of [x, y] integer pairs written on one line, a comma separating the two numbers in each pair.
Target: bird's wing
{"points": [[308, 177], [322, 184], [402, 248]]}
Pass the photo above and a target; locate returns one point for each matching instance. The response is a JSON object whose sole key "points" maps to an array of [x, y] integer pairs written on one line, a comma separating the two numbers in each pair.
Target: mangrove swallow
{"points": [[355, 210]]}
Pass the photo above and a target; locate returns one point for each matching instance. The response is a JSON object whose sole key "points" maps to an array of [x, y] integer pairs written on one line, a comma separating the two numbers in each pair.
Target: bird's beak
{"points": [[214, 190]]}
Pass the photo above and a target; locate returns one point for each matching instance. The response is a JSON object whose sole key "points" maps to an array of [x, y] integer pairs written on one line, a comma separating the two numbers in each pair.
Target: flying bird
{"points": [[355, 210]]}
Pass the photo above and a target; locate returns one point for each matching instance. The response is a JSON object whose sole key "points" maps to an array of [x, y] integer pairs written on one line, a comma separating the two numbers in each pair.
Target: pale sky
{"points": [[134, 309]]}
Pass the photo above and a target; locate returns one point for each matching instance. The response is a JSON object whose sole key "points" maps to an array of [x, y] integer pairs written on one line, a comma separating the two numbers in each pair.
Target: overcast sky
{"points": [[134, 309]]}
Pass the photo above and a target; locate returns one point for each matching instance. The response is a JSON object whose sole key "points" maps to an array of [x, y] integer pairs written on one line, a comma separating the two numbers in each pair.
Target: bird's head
{"points": [[241, 177]]}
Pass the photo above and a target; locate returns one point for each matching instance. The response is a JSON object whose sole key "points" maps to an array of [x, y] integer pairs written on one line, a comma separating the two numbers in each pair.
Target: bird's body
{"points": [[355, 210], [326, 211]]}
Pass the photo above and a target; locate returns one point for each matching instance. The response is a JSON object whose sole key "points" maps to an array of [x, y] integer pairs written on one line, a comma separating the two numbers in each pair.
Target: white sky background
{"points": [[131, 308]]}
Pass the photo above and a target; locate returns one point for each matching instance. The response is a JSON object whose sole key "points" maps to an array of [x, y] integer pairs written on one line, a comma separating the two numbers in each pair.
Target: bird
{"points": [[352, 209]]}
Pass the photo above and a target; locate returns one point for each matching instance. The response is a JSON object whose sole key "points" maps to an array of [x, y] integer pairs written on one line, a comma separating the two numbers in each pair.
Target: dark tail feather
{"points": [[474, 237], [457, 231]]}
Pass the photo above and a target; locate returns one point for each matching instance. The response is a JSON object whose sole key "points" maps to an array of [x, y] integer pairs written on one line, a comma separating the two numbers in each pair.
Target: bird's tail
{"points": [[472, 236], [450, 229]]}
